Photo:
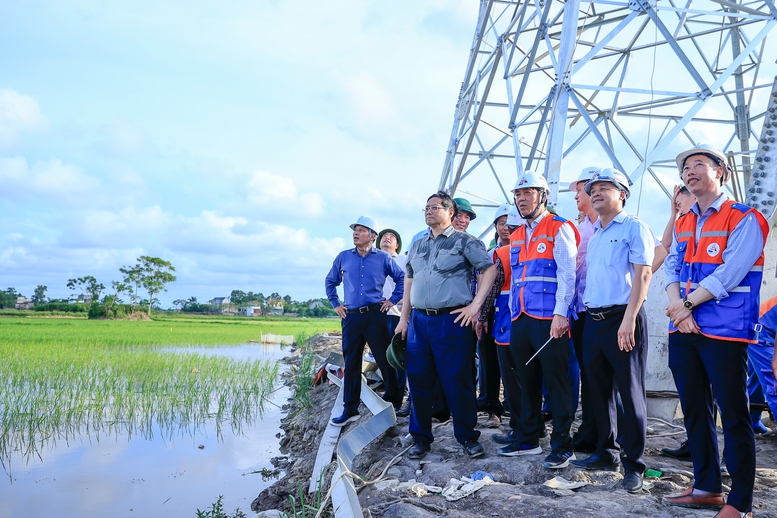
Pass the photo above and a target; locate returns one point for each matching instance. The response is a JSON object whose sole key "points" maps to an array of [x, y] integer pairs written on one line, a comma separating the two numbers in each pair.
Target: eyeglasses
{"points": [[433, 208]]}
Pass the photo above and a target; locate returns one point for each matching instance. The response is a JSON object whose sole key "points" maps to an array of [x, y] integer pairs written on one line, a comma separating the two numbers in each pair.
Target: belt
{"points": [[363, 309], [442, 311], [599, 314]]}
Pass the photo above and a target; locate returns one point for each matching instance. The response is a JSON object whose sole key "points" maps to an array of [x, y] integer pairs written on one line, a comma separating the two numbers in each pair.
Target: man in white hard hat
{"points": [[585, 438], [542, 264], [713, 278], [363, 270], [619, 259], [438, 311]]}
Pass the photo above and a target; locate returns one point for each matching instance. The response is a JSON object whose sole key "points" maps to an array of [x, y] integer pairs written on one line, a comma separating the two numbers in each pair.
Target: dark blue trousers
{"points": [[606, 366], [705, 369], [488, 376], [441, 351], [527, 335], [359, 329], [586, 432], [393, 320]]}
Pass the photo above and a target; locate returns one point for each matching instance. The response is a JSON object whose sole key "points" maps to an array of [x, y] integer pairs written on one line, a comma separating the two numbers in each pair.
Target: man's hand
{"points": [[401, 329], [481, 329], [341, 312], [626, 334], [688, 325], [386, 305], [559, 326], [467, 315], [677, 312], [673, 206]]}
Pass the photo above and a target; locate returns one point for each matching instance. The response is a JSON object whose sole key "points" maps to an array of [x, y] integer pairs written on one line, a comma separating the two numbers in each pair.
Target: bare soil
{"points": [[519, 488]]}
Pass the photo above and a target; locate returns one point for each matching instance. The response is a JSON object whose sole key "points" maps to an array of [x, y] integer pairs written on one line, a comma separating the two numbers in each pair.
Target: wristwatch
{"points": [[687, 303]]}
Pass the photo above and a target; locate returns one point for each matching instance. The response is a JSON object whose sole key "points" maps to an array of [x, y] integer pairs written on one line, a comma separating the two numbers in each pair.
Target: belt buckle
{"points": [[433, 312], [364, 309], [598, 317]]}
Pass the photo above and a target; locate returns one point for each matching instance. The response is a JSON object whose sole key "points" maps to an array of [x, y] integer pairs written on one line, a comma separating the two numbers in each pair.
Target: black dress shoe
{"points": [[632, 482], [418, 450], [683, 452], [596, 462], [473, 448], [404, 410], [344, 419]]}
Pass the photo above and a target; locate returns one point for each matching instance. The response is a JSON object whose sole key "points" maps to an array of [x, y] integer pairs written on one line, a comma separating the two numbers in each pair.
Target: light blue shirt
{"points": [[610, 259], [744, 247]]}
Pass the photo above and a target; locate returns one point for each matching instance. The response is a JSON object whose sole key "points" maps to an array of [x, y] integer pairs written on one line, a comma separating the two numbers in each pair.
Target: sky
{"points": [[237, 140]]}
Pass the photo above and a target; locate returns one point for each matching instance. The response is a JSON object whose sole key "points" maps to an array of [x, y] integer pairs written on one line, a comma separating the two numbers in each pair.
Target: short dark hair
{"points": [[447, 201], [684, 190]]}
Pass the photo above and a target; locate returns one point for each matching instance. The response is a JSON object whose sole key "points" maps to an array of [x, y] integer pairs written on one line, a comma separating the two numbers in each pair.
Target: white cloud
{"points": [[18, 113], [278, 196]]}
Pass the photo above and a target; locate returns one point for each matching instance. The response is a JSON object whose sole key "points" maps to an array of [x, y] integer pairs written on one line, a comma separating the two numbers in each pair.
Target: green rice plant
{"points": [[302, 377], [63, 379], [308, 509], [217, 511]]}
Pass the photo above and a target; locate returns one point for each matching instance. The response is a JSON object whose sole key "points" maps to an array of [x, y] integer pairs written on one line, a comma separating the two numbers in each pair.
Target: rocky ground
{"points": [[519, 482]]}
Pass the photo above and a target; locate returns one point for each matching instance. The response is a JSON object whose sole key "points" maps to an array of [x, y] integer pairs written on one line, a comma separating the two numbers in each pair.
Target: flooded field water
{"points": [[121, 476]]}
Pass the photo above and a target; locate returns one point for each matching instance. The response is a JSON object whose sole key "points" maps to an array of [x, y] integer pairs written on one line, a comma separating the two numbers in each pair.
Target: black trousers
{"points": [[488, 376], [586, 432], [527, 335], [510, 381], [359, 329], [606, 366], [705, 368]]}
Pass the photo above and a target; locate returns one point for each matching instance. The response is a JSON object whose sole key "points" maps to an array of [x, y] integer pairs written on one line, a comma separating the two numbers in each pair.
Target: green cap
{"points": [[466, 206], [385, 230]]}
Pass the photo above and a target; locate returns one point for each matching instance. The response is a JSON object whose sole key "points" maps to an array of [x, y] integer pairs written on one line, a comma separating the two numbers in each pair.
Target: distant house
{"points": [[316, 304], [253, 311], [80, 299], [23, 303], [217, 302], [274, 307]]}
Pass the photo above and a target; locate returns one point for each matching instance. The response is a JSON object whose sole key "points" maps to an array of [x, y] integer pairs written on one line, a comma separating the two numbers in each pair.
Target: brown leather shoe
{"points": [[688, 499], [729, 511]]}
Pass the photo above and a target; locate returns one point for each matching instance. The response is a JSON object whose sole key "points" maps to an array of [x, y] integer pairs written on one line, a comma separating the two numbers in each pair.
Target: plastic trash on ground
{"points": [[417, 488], [562, 483], [463, 487]]}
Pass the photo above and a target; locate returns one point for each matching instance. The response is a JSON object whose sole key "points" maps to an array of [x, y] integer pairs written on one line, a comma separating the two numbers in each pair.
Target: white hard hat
{"points": [[709, 151], [502, 210], [532, 180], [513, 218], [585, 175], [368, 222], [608, 174]]}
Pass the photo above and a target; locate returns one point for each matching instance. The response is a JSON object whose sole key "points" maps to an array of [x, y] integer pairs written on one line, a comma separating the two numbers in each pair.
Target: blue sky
{"points": [[235, 139]]}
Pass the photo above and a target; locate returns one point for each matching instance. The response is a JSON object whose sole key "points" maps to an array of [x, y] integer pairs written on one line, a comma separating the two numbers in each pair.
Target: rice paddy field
{"points": [[66, 381]]}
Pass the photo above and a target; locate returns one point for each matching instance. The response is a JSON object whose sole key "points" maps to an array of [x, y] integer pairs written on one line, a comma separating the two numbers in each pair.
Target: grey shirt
{"points": [[441, 269]]}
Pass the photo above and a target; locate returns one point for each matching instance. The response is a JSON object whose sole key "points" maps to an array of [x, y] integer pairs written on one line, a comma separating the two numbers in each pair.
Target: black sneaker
{"points": [[558, 459], [473, 448], [418, 450], [519, 448], [344, 419], [504, 438], [596, 462]]}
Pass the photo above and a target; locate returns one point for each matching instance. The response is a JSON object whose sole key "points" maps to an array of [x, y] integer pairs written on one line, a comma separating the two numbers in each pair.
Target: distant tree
{"points": [[40, 294], [8, 297], [287, 299], [238, 297], [88, 284], [155, 274], [275, 295], [130, 284]]}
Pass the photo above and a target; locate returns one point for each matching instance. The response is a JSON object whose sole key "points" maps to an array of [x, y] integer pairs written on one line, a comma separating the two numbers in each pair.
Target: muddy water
{"points": [[119, 476]]}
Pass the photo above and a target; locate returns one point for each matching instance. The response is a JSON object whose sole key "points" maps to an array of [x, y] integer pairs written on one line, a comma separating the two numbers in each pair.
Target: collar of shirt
{"points": [[373, 250], [533, 224], [619, 217], [716, 205], [447, 232]]}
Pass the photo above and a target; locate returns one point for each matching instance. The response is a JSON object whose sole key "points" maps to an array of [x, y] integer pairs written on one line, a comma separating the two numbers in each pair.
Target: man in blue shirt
{"points": [[363, 270], [615, 336]]}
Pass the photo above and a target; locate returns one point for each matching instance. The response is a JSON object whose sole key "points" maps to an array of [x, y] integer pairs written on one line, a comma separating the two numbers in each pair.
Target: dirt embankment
{"points": [[519, 488]]}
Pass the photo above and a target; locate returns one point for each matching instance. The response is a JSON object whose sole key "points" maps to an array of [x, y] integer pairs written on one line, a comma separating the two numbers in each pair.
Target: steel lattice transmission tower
{"points": [[555, 86]]}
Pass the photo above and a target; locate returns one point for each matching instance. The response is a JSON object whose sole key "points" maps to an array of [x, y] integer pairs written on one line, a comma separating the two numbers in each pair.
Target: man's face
{"points": [[684, 202], [436, 214], [361, 236], [606, 198], [527, 199], [701, 174], [461, 221], [388, 243], [502, 229], [581, 197]]}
